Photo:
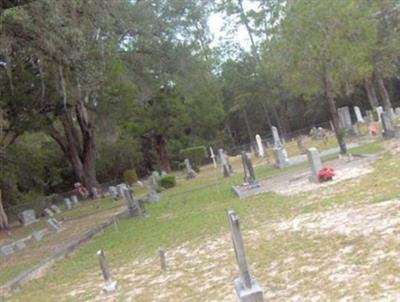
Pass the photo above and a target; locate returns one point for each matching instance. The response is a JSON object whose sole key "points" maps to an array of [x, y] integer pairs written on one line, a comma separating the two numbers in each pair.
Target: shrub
{"points": [[196, 155], [130, 177], [167, 181]]}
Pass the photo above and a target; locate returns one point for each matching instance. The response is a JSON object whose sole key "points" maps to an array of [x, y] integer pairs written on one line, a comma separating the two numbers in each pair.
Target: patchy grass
{"points": [[190, 223]]}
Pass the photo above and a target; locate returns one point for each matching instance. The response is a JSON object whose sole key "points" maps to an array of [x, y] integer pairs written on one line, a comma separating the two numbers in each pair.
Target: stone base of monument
{"points": [[246, 190], [110, 287], [253, 294]]}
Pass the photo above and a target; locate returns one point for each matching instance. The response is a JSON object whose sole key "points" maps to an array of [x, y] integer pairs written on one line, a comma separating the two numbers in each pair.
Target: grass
{"points": [[187, 214]]}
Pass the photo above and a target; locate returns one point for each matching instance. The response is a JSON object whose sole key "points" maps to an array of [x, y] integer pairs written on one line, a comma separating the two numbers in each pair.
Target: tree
{"points": [[322, 45]]}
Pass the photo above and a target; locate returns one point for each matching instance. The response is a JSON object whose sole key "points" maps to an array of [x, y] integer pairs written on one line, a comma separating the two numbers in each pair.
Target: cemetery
{"points": [[240, 150]]}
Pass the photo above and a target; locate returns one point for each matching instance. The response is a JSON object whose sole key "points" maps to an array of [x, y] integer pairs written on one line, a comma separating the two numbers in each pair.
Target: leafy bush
{"points": [[130, 177], [167, 181], [196, 155]]}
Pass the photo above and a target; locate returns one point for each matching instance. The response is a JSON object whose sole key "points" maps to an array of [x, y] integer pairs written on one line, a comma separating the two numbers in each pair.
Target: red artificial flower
{"points": [[326, 174]]}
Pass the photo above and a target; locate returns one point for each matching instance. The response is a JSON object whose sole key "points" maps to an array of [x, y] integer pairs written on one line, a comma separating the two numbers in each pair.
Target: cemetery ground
{"points": [[335, 242]]}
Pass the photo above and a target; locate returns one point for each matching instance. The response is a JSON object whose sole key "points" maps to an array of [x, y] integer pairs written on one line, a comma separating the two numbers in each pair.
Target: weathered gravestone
{"points": [[21, 243], [379, 111], [27, 217], [121, 189], [95, 193], [49, 213], [55, 209], [68, 203], [75, 200], [113, 192], [315, 163], [359, 116], [190, 173], [153, 195], [281, 156], [133, 205], [260, 147], [397, 111], [345, 120], [249, 176], [212, 155], [6, 250], [110, 286], [38, 235], [246, 286], [224, 162], [53, 225], [389, 130]]}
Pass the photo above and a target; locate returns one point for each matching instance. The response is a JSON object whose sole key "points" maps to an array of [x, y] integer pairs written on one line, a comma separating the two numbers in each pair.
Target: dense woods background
{"points": [[90, 89]]}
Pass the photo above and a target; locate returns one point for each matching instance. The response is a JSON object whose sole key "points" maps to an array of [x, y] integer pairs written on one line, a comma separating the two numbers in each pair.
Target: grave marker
{"points": [[6, 250], [38, 235], [163, 263], [95, 193], [153, 195], [225, 166], [110, 286], [315, 163], [190, 173], [27, 217], [133, 205], [53, 225], [389, 130], [379, 111], [281, 157], [397, 111], [249, 176], [49, 213], [55, 209], [212, 155], [75, 200], [20, 244], [246, 286], [113, 192], [260, 147], [68, 203], [359, 116], [345, 119]]}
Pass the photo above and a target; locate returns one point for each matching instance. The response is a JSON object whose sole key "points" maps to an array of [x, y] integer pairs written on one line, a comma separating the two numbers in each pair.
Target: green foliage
{"points": [[130, 177], [167, 181], [196, 154]]}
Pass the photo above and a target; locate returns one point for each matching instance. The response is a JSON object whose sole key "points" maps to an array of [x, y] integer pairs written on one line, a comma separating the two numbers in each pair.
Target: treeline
{"points": [[90, 89]]}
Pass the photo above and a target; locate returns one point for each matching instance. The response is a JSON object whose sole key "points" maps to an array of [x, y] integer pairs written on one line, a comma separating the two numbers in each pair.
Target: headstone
{"points": [[75, 200], [212, 155], [55, 209], [392, 113], [49, 213], [246, 286], [133, 205], [249, 176], [163, 262], [68, 203], [190, 173], [359, 116], [53, 225], [275, 135], [110, 286], [315, 163], [153, 195], [281, 157], [397, 111], [225, 166], [345, 120], [6, 250], [389, 130], [260, 147], [27, 217], [379, 111], [113, 192], [300, 144], [38, 235], [121, 189], [95, 193], [20, 244]]}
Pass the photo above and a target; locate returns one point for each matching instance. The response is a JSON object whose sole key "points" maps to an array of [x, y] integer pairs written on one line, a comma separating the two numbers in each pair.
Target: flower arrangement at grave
{"points": [[325, 174]]}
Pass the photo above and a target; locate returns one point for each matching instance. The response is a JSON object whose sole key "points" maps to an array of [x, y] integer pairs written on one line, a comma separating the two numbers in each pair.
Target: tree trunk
{"points": [[160, 145], [80, 150], [267, 115], [249, 131], [278, 120], [387, 105], [3, 216], [372, 98], [333, 112]]}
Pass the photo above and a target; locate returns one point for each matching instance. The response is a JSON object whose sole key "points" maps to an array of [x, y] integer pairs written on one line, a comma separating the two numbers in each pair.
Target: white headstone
{"points": [[49, 213], [113, 192], [315, 163], [75, 200], [260, 147], [28, 217], [379, 111], [359, 116], [68, 203], [275, 135], [53, 225], [212, 155], [225, 166], [55, 209], [6, 250], [345, 118]]}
